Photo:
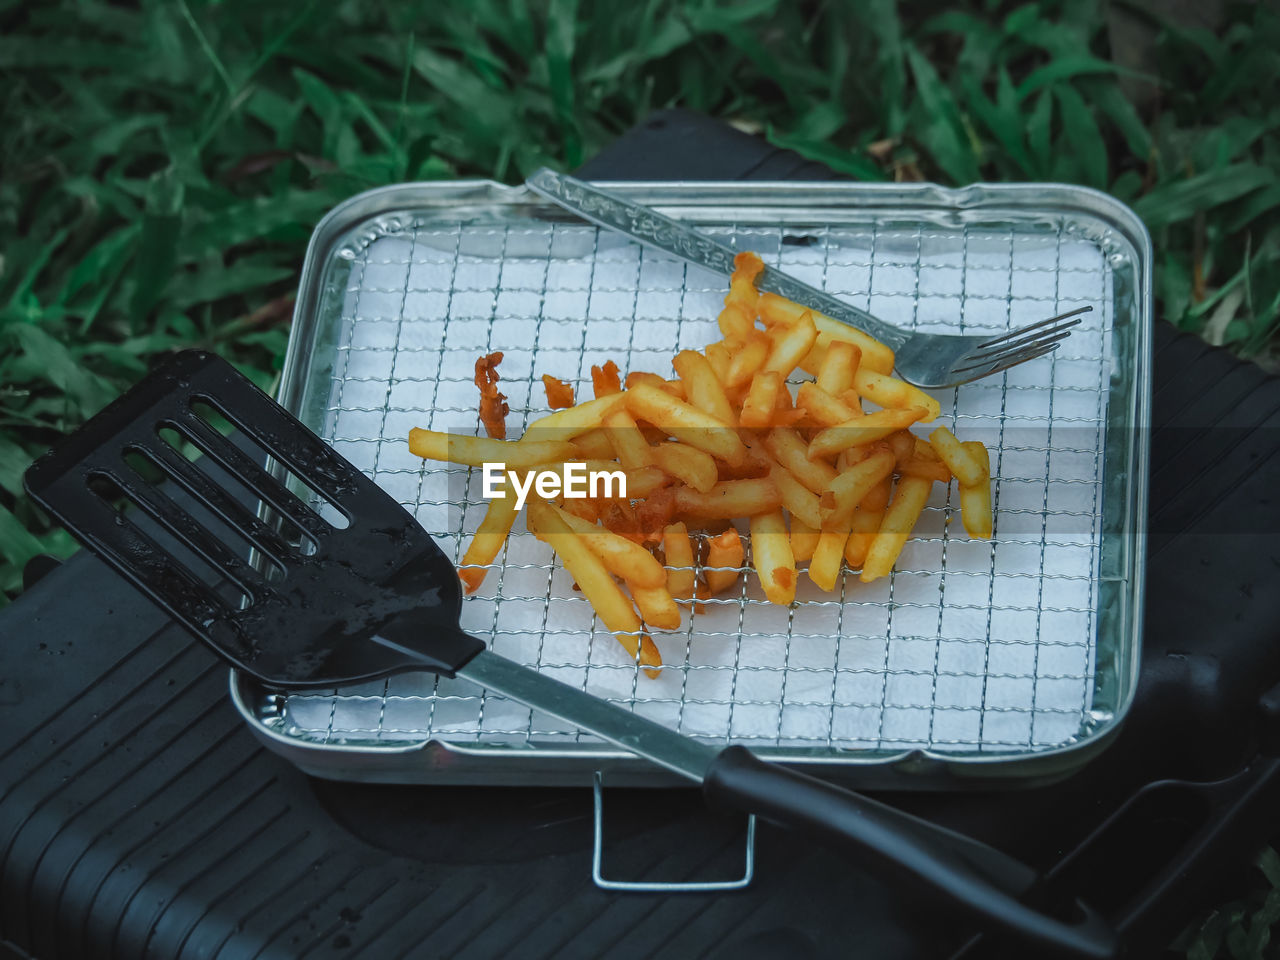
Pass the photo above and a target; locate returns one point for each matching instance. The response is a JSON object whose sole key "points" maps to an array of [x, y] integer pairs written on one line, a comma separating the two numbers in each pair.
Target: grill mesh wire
{"points": [[968, 646]]}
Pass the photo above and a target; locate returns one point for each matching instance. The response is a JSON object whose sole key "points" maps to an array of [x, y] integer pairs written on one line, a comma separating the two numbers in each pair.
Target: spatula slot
{"points": [[321, 503], [173, 544], [233, 502]]}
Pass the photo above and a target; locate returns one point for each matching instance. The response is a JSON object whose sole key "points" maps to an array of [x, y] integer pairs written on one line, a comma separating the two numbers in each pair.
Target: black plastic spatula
{"points": [[358, 590]]}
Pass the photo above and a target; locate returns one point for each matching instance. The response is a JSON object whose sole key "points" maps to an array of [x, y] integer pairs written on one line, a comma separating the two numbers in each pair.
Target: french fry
{"points": [[724, 561], [678, 549], [839, 364], [657, 607], [897, 394], [622, 557], [903, 445], [701, 385], [559, 393], [477, 451], [487, 542], [729, 499], [736, 322], [645, 482], [695, 467], [761, 400], [800, 501], [746, 359], [685, 422], [772, 558], [822, 407], [629, 444], [928, 469], [961, 462], [828, 555], [851, 487], [604, 380], [865, 523], [790, 450], [577, 420], [975, 500], [875, 355], [804, 539], [904, 510], [594, 444], [673, 387], [612, 606], [585, 507], [742, 282], [791, 344], [853, 433], [719, 357]]}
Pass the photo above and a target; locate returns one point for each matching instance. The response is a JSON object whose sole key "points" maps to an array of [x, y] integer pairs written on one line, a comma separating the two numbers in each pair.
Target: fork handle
{"points": [[649, 227]]}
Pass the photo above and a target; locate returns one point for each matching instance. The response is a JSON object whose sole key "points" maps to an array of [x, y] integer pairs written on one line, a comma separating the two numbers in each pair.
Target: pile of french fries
{"points": [[816, 476]]}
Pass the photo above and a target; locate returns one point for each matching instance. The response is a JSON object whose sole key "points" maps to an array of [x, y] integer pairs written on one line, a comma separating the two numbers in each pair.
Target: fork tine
{"points": [[1009, 360], [1052, 335], [1029, 328]]}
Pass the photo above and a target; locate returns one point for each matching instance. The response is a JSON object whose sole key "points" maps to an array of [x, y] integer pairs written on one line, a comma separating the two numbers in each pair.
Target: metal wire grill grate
{"points": [[969, 645]]}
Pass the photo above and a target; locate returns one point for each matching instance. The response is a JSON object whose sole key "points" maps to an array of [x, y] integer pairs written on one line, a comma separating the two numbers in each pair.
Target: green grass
{"points": [[162, 163]]}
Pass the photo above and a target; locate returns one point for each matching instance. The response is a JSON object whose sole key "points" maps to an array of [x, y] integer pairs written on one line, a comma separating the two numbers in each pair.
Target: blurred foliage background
{"points": [[163, 162]]}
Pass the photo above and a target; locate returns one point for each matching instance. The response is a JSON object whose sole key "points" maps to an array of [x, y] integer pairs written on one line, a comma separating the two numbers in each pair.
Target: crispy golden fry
{"points": [[800, 501], [804, 539], [702, 386], [791, 343], [575, 421], [875, 355], [673, 387], [929, 469], [719, 357], [851, 487], [695, 467], [897, 394], [822, 408], [772, 558], [828, 556], [724, 561], [908, 501], [493, 404], [622, 557], [903, 445], [594, 445], [632, 449], [736, 322], [604, 380], [761, 400], [657, 607], [686, 422], [790, 450], [742, 282], [646, 481], [975, 500], [854, 433], [839, 365], [612, 606], [961, 462], [584, 507], [559, 393], [748, 357], [729, 499], [681, 574], [488, 540], [865, 523], [476, 451]]}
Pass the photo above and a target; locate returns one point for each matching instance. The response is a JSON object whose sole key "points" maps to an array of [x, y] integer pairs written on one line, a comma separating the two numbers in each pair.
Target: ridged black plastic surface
{"points": [[139, 819]]}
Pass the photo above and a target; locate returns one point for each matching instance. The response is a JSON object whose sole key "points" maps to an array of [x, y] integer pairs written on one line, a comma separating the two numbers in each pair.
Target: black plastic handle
{"points": [[972, 875]]}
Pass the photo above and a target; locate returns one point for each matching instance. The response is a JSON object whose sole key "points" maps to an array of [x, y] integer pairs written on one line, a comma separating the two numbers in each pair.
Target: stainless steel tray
{"points": [[1013, 659]]}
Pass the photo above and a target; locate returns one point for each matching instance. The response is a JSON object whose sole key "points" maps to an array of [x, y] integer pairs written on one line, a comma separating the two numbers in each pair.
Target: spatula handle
{"points": [[980, 880]]}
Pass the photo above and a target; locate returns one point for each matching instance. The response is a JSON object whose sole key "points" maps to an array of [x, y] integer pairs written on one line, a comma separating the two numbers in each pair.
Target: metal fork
{"points": [[924, 359]]}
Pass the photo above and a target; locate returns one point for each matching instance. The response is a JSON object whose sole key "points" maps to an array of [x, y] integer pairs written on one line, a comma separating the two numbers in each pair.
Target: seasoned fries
{"points": [[734, 442]]}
